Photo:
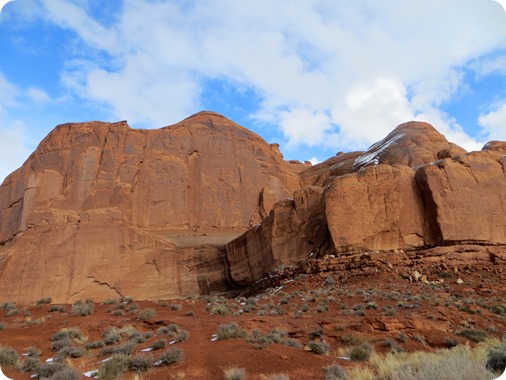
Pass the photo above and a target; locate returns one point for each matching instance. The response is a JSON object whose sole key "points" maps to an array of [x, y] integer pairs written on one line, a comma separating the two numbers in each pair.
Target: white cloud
{"points": [[494, 123], [303, 126], [13, 151], [342, 73], [38, 95]]}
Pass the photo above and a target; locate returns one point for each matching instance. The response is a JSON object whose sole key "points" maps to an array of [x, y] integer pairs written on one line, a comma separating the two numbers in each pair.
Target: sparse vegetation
{"points": [[45, 300], [231, 331], [234, 373], [8, 356], [141, 362], [115, 367], [172, 356], [146, 314], [474, 334], [361, 353], [57, 309], [319, 348], [83, 308], [335, 372], [496, 359]]}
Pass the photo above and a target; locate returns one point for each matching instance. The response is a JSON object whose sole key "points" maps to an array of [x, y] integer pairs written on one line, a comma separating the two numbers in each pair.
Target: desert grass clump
{"points": [[474, 334], [146, 314], [2, 326], [44, 300], [94, 345], [66, 373], [361, 353], [230, 331], [125, 349], [83, 308], [496, 359], [29, 364], [70, 352], [335, 372], [141, 362], [159, 344], [172, 356], [319, 348], [234, 373], [459, 363], [278, 376], [114, 368], [175, 306], [57, 309], [8, 356]]}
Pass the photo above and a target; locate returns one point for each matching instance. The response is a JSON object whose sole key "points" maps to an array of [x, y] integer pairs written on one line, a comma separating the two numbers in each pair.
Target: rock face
{"points": [[100, 204], [466, 197], [378, 208], [101, 210], [412, 190]]}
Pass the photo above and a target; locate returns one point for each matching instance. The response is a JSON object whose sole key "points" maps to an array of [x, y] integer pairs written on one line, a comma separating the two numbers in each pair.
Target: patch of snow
{"points": [[50, 360], [157, 363], [311, 254], [35, 375], [147, 349], [172, 341], [344, 357], [375, 150], [91, 373], [214, 337], [105, 360]]}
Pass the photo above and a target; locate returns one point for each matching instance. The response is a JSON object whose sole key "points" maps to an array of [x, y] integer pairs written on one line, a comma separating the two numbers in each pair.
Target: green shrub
{"points": [[29, 364], [45, 300], [146, 314], [361, 353], [230, 331], [94, 345], [126, 349], [175, 306], [12, 312], [474, 335], [57, 309], [159, 344], [60, 344], [114, 368], [335, 372], [319, 348], [82, 308], [172, 356], [70, 352], [66, 373], [142, 362], [46, 370], [8, 356]]}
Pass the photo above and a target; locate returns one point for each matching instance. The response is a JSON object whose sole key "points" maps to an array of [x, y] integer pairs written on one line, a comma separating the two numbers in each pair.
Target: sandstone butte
{"points": [[205, 205]]}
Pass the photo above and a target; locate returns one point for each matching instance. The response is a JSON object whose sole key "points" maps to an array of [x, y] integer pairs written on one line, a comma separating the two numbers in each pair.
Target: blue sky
{"points": [[315, 76]]}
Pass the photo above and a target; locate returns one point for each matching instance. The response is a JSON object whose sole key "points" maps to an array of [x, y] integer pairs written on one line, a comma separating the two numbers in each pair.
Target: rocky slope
{"points": [[101, 210]]}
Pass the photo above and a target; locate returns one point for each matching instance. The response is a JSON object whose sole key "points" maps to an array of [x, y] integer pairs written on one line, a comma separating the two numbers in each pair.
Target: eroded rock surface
{"points": [[101, 210], [88, 214]]}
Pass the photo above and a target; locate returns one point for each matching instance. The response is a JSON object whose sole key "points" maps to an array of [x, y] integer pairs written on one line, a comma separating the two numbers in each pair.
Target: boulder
{"points": [[378, 208], [466, 197]]}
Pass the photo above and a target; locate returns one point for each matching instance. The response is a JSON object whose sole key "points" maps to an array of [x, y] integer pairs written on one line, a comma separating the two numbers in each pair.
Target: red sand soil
{"points": [[421, 311]]}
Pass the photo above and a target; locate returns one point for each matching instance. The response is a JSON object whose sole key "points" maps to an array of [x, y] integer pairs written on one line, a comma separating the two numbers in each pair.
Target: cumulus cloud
{"points": [[342, 73], [13, 151], [38, 95], [494, 123]]}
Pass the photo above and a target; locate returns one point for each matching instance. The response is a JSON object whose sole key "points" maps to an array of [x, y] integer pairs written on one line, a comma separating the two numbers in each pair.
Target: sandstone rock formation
{"points": [[100, 209], [412, 190]]}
